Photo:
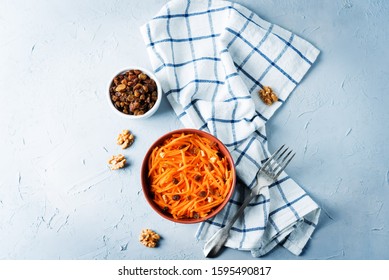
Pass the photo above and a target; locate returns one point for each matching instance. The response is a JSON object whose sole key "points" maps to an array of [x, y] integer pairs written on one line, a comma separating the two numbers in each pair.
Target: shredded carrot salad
{"points": [[188, 176]]}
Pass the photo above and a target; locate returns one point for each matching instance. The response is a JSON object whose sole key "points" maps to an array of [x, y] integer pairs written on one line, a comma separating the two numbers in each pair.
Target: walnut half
{"points": [[125, 139], [267, 95], [117, 162], [149, 238]]}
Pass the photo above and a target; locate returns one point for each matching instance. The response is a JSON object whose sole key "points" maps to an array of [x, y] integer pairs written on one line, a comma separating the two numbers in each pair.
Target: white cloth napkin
{"points": [[212, 57]]}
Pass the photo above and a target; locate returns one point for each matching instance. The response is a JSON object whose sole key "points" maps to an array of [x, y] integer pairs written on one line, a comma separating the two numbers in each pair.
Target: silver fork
{"points": [[267, 175]]}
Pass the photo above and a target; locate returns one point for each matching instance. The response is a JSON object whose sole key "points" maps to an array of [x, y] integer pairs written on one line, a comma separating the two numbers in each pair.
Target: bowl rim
{"points": [[150, 112], [144, 169]]}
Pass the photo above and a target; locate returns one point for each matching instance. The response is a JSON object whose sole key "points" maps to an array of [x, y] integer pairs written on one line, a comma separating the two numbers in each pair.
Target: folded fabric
{"points": [[212, 58]]}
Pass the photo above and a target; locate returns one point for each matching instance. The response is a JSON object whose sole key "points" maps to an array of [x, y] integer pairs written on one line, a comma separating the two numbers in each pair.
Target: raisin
{"points": [[203, 194], [198, 177]]}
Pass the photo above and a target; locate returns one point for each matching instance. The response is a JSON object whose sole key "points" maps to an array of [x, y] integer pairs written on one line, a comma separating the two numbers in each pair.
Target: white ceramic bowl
{"points": [[149, 112]]}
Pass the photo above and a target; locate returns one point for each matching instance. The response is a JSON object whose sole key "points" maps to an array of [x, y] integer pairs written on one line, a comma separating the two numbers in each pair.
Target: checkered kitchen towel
{"points": [[211, 58]]}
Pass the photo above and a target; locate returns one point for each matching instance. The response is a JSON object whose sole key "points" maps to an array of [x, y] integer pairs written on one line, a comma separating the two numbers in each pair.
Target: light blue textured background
{"points": [[58, 200]]}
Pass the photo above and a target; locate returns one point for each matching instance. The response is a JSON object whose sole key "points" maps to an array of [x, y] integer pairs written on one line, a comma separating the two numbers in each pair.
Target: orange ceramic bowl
{"points": [[150, 196]]}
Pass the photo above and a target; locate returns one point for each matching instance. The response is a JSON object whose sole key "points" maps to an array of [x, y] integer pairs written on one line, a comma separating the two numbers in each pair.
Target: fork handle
{"points": [[216, 242], [246, 202]]}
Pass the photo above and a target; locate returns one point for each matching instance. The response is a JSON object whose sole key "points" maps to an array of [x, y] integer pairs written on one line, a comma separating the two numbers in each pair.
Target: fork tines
{"points": [[277, 162]]}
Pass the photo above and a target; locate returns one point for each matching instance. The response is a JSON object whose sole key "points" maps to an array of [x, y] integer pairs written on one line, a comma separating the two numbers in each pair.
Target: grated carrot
{"points": [[188, 176]]}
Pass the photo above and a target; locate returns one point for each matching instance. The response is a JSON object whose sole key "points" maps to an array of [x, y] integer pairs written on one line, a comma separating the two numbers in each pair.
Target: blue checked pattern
{"points": [[211, 58]]}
